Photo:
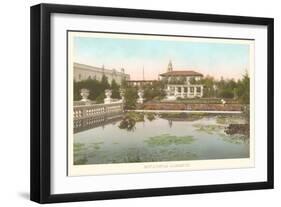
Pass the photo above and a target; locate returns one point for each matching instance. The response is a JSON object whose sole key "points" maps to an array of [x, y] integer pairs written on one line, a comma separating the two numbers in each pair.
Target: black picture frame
{"points": [[40, 175]]}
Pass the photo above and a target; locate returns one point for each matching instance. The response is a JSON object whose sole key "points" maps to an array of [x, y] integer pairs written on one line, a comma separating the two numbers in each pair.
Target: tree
{"points": [[130, 98], [243, 89], [226, 88], [76, 91], [124, 83], [154, 91], [100, 98], [115, 89], [209, 86], [95, 87], [226, 93], [104, 83]]}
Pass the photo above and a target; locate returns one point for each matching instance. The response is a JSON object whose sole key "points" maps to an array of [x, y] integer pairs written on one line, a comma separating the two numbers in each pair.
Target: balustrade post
{"points": [[105, 111], [84, 112]]}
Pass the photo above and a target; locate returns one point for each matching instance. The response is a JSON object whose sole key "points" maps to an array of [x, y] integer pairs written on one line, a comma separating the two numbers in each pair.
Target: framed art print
{"points": [[133, 103]]}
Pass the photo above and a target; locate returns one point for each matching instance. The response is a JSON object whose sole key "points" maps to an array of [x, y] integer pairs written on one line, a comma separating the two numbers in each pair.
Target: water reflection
{"points": [[128, 124], [145, 137], [130, 119], [94, 122], [182, 116], [151, 116], [209, 129], [170, 122]]}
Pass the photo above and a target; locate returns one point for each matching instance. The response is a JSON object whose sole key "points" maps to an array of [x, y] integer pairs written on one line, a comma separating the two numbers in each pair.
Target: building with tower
{"points": [[182, 83]]}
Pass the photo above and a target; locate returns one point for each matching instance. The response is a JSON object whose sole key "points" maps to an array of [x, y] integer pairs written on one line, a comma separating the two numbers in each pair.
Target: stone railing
{"points": [[97, 110], [87, 114]]}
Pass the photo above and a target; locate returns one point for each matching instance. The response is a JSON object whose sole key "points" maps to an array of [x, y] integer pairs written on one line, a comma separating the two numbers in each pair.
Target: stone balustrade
{"points": [[97, 110]]}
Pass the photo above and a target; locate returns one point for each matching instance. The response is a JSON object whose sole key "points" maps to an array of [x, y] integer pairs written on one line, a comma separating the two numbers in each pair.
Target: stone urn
{"points": [[108, 94], [84, 94], [140, 94]]}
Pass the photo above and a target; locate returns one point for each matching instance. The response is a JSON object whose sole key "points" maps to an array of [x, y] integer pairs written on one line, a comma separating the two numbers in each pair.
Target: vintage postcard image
{"points": [[152, 103]]}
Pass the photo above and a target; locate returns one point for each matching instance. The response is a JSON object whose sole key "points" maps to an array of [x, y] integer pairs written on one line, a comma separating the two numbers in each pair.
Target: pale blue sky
{"points": [[216, 59]]}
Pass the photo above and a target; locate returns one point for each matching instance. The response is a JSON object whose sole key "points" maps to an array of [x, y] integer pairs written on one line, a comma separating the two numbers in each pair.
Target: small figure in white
{"points": [[223, 101]]}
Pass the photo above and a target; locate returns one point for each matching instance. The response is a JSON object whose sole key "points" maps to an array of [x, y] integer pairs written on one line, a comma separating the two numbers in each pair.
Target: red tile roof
{"points": [[181, 73]]}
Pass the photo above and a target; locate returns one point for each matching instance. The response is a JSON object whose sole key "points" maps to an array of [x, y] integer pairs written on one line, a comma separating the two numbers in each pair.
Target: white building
{"points": [[84, 72], [180, 83]]}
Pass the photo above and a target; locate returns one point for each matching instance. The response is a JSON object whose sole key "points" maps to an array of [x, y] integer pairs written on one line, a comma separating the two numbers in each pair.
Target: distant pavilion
{"points": [[141, 82], [179, 83]]}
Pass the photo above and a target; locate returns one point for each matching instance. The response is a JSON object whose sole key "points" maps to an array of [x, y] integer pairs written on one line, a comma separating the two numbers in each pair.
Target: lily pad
{"points": [[167, 139], [209, 129]]}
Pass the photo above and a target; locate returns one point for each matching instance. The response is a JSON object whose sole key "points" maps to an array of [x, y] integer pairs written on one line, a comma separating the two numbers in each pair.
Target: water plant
{"points": [[182, 116], [167, 139], [236, 119], [78, 146], [209, 129], [81, 161], [235, 139]]}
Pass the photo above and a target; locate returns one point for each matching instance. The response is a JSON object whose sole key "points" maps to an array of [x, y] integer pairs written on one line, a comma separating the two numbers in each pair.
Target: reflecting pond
{"points": [[139, 137]]}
